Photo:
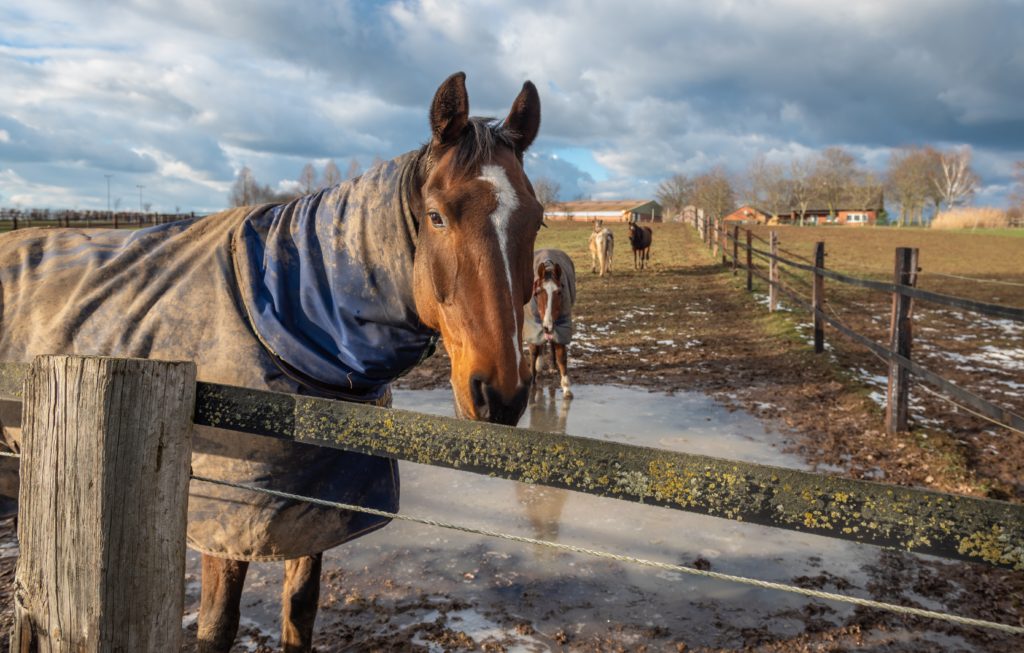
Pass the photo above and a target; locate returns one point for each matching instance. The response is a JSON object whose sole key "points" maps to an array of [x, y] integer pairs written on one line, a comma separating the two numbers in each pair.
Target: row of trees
{"points": [[246, 191], [830, 180]]}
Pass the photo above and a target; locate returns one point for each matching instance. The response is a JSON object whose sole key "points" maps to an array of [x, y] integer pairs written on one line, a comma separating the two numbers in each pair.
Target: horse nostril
{"points": [[491, 406], [478, 392]]}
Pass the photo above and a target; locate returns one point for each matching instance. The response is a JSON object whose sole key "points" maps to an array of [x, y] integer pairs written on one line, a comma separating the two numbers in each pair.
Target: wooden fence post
{"points": [[104, 494], [818, 298], [773, 273], [714, 239], [897, 401], [750, 261], [735, 249], [723, 237]]}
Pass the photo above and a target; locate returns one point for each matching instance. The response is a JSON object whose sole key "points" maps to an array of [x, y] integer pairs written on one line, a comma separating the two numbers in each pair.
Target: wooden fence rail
{"points": [[909, 519], [897, 353]]}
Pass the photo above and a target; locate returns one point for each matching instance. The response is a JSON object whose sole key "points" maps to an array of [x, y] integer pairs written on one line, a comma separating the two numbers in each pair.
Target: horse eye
{"points": [[436, 219]]}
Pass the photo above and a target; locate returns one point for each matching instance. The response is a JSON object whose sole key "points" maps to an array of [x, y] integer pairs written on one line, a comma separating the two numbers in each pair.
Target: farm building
{"points": [[812, 216], [607, 210], [747, 215], [815, 216]]}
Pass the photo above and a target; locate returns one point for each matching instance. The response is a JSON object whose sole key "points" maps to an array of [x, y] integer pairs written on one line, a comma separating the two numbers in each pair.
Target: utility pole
{"points": [[140, 187], [109, 212]]}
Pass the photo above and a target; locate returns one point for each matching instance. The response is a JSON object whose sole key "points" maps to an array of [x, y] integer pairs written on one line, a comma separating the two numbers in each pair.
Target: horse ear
{"points": [[524, 118], [558, 273], [449, 113], [540, 271]]}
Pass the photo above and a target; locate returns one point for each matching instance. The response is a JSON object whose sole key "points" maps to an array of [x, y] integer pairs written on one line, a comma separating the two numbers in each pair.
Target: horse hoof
{"points": [[567, 394]]}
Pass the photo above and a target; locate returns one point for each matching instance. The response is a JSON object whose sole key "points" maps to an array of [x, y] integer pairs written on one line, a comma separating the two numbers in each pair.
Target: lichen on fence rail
{"points": [[909, 519]]}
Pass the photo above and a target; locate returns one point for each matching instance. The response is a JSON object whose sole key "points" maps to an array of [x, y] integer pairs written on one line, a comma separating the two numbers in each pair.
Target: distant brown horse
{"points": [[334, 294], [601, 246], [549, 313], [640, 238]]}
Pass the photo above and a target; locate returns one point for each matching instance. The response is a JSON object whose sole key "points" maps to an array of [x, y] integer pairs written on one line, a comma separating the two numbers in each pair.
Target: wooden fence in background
{"points": [[11, 219], [898, 351]]}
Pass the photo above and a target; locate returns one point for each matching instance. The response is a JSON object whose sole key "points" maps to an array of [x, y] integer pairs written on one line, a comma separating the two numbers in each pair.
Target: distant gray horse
{"points": [[602, 246], [549, 314]]}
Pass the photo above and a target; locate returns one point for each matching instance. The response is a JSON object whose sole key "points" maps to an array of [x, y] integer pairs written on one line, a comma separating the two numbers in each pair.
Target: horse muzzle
{"points": [[491, 406]]}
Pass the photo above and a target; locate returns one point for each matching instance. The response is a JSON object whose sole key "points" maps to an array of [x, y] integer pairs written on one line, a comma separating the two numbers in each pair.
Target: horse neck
{"points": [[327, 279], [370, 221]]}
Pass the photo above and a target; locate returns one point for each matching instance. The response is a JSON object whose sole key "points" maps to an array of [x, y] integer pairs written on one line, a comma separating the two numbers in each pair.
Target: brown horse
{"points": [[640, 238], [334, 294], [549, 314]]}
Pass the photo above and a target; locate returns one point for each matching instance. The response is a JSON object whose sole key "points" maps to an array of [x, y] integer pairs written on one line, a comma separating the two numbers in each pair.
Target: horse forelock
{"points": [[475, 147]]}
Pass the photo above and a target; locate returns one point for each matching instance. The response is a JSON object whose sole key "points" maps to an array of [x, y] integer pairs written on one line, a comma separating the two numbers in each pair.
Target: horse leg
{"points": [[561, 354], [535, 361], [299, 602], [221, 593]]}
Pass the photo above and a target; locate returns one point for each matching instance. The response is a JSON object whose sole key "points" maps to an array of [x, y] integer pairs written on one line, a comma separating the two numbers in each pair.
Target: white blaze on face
{"points": [[550, 287], [508, 202]]}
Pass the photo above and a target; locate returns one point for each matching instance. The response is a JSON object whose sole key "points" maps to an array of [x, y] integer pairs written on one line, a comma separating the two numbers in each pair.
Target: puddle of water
{"points": [[690, 422], [556, 591]]}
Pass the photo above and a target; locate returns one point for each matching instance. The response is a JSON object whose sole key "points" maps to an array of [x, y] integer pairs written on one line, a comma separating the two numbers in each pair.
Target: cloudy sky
{"points": [[178, 95]]}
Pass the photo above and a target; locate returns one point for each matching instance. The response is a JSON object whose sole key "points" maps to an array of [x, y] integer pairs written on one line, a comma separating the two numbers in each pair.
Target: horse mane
{"points": [[476, 144]]}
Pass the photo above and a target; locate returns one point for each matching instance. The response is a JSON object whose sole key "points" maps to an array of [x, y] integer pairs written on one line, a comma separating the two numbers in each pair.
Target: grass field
{"points": [[870, 253]]}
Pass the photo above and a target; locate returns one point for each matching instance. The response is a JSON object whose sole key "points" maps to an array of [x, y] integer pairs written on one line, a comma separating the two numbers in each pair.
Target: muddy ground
{"points": [[687, 324]]}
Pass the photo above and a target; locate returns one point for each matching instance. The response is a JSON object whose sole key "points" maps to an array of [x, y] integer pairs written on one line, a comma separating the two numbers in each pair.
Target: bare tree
{"points": [[714, 193], [907, 179], [801, 188], [767, 186], [332, 175], [865, 194], [957, 181], [834, 169], [546, 190], [307, 179], [243, 191], [354, 169], [675, 193], [246, 191], [1017, 195]]}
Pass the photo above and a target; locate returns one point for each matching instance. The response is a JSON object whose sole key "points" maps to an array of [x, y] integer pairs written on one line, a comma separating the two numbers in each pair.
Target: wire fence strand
{"points": [[817, 594]]}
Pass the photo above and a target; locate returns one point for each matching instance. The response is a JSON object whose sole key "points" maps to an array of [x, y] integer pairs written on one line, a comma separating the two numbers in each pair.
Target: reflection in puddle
{"points": [[543, 505]]}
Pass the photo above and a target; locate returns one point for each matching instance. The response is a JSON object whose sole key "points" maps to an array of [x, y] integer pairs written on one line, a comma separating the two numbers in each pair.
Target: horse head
{"points": [[472, 273], [547, 289]]}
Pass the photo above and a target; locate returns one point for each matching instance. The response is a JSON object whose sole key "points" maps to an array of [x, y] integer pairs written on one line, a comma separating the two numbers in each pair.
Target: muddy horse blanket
{"points": [[533, 331], [309, 297]]}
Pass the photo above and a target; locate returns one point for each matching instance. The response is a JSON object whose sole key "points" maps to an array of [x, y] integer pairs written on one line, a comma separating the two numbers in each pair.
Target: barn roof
{"points": [[588, 206]]}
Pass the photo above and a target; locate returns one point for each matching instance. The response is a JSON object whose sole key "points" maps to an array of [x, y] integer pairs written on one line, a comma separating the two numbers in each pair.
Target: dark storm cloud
{"points": [[190, 90]]}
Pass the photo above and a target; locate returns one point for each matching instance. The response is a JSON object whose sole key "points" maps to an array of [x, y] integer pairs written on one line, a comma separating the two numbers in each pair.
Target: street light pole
{"points": [[140, 187], [109, 212]]}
